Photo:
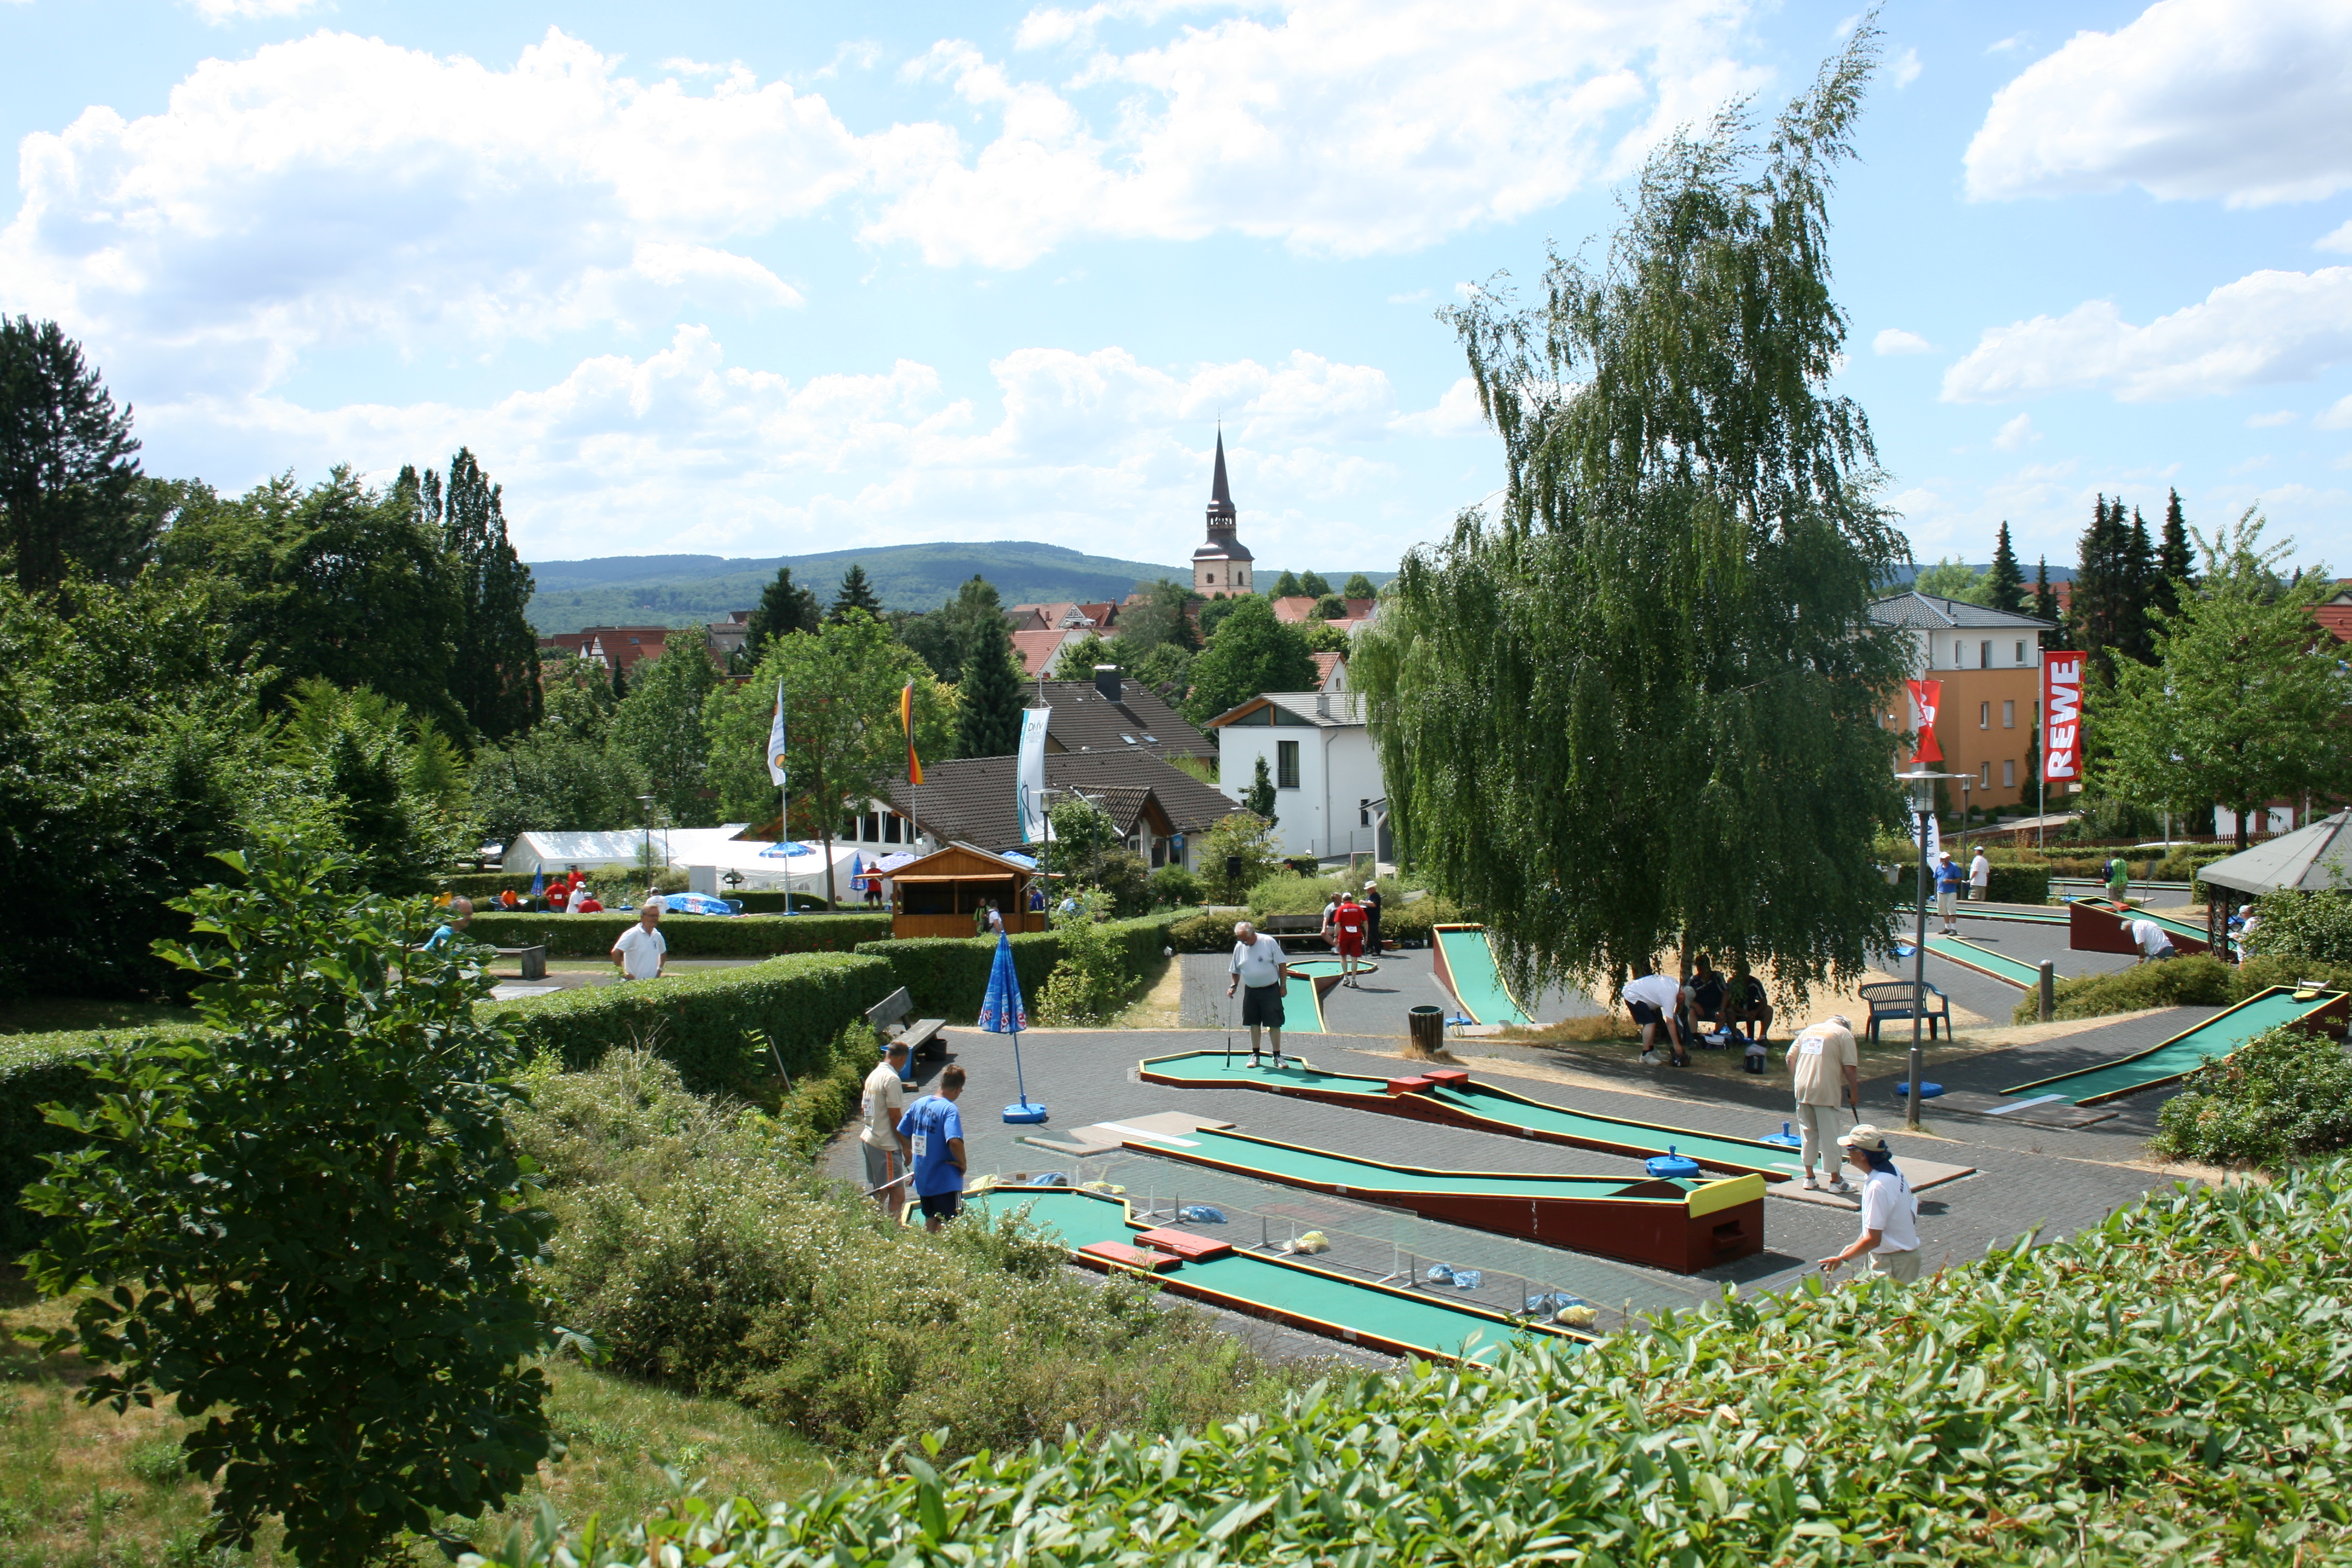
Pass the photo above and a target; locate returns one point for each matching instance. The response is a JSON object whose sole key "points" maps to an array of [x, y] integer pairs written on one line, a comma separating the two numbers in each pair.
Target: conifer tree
{"points": [[784, 607], [857, 594], [2005, 586], [1259, 797], [988, 723], [2139, 577], [2175, 562], [2045, 603], [495, 674], [1634, 710], [69, 473]]}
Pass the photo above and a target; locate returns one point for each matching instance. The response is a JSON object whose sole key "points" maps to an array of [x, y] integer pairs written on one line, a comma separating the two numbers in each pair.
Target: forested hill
{"points": [[685, 590]]}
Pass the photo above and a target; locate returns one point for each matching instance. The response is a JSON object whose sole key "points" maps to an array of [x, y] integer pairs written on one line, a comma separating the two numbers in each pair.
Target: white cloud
{"points": [[1409, 297], [2270, 421], [1455, 414], [2240, 100], [1339, 127], [1905, 68], [2009, 45], [2017, 435], [2266, 328], [220, 13], [2337, 238], [336, 189], [2338, 417], [1895, 341]]}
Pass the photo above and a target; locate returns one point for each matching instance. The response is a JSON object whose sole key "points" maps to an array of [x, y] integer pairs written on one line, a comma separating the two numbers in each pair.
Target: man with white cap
{"points": [[1949, 879], [1826, 1069], [1890, 1211]]}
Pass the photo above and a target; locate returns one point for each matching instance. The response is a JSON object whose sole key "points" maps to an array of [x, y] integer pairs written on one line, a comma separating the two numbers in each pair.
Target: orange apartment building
{"points": [[1990, 662]]}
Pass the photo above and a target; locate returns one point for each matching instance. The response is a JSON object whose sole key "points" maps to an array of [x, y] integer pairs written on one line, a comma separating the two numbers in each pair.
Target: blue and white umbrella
{"points": [[1001, 1013]]}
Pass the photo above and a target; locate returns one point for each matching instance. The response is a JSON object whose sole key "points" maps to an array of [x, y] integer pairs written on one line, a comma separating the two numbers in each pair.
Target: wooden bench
{"points": [[1295, 928], [532, 960], [1892, 999], [888, 1018]]}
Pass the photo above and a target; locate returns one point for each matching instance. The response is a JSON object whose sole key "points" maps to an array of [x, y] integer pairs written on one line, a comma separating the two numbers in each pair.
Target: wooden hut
{"points": [[943, 893]]}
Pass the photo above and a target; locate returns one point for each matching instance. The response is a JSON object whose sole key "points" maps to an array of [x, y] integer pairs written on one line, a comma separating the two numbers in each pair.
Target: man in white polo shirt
{"points": [[1890, 1210], [1257, 965], [642, 950], [881, 1103], [1654, 1001]]}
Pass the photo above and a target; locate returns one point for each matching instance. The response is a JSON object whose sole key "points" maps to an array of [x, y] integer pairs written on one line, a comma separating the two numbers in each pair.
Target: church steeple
{"points": [[1221, 565]]}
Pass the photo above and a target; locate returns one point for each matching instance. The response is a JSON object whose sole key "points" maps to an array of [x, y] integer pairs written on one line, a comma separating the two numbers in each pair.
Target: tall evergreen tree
{"points": [[1636, 709], [495, 676], [2176, 564], [1260, 796], [2005, 586], [857, 594], [2046, 602], [783, 608], [2101, 601], [2136, 639], [988, 722], [68, 478]]}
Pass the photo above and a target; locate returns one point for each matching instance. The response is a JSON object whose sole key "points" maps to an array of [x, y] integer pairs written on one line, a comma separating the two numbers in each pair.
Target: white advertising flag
{"points": [[776, 744], [1029, 775]]}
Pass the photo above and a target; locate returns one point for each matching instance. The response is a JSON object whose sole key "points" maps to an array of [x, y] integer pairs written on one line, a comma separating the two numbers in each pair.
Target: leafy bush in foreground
{"points": [[2284, 1095], [2193, 980], [2166, 1385]]}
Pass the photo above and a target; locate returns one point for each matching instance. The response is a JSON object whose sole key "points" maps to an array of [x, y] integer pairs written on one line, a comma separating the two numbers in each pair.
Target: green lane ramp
{"points": [[1477, 983], [1320, 1167], [1985, 960], [1288, 1289], [2216, 1037], [1481, 1106]]}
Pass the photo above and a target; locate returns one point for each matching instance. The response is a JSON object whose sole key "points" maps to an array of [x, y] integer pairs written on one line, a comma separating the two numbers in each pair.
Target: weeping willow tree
{"points": [[1636, 709]]}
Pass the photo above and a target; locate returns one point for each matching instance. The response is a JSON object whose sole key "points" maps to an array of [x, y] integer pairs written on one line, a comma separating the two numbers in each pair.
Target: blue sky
{"points": [[758, 279]]}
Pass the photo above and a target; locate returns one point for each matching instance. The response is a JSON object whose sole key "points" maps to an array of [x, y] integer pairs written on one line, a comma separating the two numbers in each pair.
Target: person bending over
{"points": [[1656, 1004]]}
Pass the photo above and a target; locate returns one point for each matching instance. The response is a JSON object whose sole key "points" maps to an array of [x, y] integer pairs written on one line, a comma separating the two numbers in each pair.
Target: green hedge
{"points": [[689, 936], [35, 1071], [2194, 980], [2017, 885], [699, 1022], [947, 976], [2164, 1387]]}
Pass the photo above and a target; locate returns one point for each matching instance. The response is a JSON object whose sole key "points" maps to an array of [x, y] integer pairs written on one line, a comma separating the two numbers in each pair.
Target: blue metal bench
{"points": [[1892, 999]]}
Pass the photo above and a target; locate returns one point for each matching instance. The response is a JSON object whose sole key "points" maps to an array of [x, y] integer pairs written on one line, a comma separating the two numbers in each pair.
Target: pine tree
{"points": [[1286, 586], [69, 481], [2099, 594], [2138, 574], [989, 720], [495, 675], [1312, 585], [2005, 588], [1260, 797], [784, 608], [620, 683], [857, 594], [2175, 563], [2045, 603]]}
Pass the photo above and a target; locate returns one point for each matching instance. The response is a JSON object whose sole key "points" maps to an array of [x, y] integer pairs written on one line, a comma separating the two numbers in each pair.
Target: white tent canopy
{"points": [[800, 867], [2315, 857]]}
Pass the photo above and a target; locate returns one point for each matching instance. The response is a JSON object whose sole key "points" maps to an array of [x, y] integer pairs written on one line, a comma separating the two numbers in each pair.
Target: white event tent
{"points": [[717, 850]]}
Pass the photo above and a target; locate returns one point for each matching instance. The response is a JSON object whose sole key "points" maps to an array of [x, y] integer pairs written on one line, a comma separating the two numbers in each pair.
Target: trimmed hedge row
{"points": [[947, 976], [689, 936], [699, 1022], [2017, 885]]}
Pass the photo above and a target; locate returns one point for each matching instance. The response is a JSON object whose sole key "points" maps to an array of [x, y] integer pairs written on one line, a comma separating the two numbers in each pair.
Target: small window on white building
{"points": [[1959, 655], [1984, 654], [2021, 652], [1286, 765]]}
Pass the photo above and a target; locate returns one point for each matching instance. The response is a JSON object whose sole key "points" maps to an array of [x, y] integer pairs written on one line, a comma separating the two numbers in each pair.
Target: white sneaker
{"points": [[1649, 1058], [1842, 1188], [1812, 1183]]}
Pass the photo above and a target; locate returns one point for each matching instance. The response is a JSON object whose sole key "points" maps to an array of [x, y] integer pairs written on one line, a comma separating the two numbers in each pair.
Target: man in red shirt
{"points": [[1346, 935]]}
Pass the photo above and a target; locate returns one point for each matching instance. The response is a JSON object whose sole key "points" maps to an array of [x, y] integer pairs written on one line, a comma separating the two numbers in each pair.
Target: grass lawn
{"points": [[43, 1015], [82, 1488]]}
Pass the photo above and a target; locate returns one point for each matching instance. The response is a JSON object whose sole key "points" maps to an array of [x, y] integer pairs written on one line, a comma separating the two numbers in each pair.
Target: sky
{"points": [[759, 280]]}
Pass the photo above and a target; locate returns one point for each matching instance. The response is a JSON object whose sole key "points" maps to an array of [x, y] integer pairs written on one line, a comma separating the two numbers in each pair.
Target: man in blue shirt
{"points": [[934, 1129], [1949, 879], [456, 915]]}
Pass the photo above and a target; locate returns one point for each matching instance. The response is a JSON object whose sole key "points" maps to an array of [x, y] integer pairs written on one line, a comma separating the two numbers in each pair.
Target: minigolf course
{"points": [[2175, 1058], [1465, 966], [1102, 1233], [2093, 925], [1684, 1226], [1985, 960], [1450, 1097]]}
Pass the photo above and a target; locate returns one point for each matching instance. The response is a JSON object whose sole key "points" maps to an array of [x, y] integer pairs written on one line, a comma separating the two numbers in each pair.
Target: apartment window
{"points": [[2021, 651], [1363, 812], [1286, 765], [1984, 775], [2008, 715], [2008, 774], [1984, 655], [1984, 715], [890, 828], [1959, 655]]}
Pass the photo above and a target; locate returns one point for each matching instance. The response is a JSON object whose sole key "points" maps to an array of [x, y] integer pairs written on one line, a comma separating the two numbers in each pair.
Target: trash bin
{"points": [[1427, 1027]]}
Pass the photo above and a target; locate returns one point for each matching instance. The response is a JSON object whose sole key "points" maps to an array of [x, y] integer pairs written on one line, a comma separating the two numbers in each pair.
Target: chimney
{"points": [[1107, 681]]}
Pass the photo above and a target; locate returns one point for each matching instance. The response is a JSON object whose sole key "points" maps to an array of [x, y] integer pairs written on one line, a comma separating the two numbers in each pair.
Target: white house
{"points": [[1329, 799]]}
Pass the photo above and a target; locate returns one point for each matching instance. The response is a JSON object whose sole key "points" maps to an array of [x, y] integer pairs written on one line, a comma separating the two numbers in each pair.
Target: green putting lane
{"points": [[1320, 1167], [2217, 1036], [1478, 1104], [1296, 1291], [1477, 984], [1984, 960]]}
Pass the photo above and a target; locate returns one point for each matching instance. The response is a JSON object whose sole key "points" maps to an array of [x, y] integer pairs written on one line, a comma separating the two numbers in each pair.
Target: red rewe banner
{"points": [[2061, 717], [1926, 696]]}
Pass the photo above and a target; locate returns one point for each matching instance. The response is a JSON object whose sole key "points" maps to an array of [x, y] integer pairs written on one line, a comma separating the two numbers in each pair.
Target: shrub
{"points": [[52, 1070], [2283, 1096], [689, 936], [947, 976], [1175, 887], [2156, 1389], [703, 1024], [1412, 923], [1203, 934], [1090, 981], [1288, 895], [2198, 980], [1243, 835], [2262, 973], [2017, 885], [2313, 928]]}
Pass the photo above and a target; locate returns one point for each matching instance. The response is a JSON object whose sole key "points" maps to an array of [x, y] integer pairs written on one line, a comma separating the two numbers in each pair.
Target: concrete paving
{"points": [[2026, 1177]]}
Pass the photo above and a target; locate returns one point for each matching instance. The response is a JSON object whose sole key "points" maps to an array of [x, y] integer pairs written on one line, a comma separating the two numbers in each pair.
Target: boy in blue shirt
{"points": [[934, 1128], [1949, 879]]}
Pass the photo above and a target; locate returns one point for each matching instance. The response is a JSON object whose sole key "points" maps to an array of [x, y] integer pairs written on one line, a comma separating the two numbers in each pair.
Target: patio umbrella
{"points": [[1001, 1013]]}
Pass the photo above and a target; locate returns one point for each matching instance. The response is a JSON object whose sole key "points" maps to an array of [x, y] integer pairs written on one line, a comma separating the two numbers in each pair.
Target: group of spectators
{"points": [[1732, 1008], [913, 1153]]}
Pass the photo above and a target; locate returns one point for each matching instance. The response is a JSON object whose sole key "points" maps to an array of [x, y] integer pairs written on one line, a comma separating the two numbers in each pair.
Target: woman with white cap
{"points": [[1890, 1211]]}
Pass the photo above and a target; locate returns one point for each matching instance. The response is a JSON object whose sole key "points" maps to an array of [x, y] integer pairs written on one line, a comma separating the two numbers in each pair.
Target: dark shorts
{"points": [[2167, 952], [1262, 1005], [940, 1205], [1644, 1013]]}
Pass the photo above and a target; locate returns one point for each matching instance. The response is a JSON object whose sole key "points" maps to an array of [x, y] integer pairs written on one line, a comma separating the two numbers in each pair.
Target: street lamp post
{"points": [[646, 855], [1923, 805]]}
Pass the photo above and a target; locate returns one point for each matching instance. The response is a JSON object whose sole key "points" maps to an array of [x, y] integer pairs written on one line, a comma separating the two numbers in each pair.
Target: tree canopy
{"points": [[68, 478], [1251, 652], [1359, 587], [856, 596], [1638, 706], [2005, 584], [783, 608], [989, 695]]}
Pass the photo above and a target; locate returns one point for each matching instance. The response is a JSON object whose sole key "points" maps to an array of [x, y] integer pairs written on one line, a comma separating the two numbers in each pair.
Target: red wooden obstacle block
{"points": [[1409, 1085], [1181, 1244], [1452, 1077], [1132, 1256]]}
